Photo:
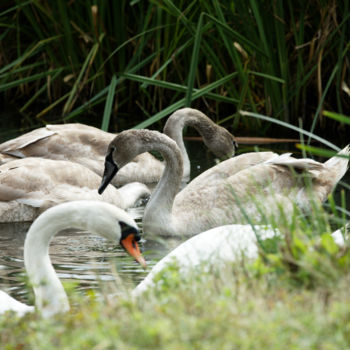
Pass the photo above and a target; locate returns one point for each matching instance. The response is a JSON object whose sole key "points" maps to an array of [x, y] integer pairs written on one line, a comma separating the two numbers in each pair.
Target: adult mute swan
{"points": [[29, 186], [87, 145], [271, 187], [96, 217], [213, 248]]}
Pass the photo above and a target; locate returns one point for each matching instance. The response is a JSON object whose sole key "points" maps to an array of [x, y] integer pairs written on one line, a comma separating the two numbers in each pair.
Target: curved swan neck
{"points": [[160, 204], [50, 296], [187, 117]]}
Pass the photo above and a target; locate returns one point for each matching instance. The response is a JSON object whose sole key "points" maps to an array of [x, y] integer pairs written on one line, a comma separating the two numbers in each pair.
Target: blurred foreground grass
{"points": [[294, 296]]}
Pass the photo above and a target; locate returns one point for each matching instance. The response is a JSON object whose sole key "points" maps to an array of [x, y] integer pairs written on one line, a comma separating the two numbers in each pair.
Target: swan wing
{"points": [[31, 185], [222, 171], [15, 146]]}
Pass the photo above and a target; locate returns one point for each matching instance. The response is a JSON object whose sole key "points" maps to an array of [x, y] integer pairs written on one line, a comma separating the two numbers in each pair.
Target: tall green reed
{"points": [[285, 59]]}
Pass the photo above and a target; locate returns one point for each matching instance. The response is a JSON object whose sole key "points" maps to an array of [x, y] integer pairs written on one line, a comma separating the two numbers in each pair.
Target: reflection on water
{"points": [[90, 260]]}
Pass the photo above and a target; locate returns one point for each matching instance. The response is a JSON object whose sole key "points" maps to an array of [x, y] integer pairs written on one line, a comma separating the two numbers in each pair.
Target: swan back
{"points": [[7, 303], [87, 146], [214, 247], [268, 189], [60, 141], [78, 143]]}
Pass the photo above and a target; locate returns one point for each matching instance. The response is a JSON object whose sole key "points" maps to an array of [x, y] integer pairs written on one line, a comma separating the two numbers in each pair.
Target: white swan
{"points": [[87, 145], [269, 188], [31, 185], [95, 217], [214, 248]]}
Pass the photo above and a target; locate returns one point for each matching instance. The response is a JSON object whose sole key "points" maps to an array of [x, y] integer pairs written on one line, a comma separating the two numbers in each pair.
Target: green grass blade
{"points": [[267, 76], [237, 36], [320, 105], [99, 97], [181, 103], [15, 8], [194, 62], [319, 151], [109, 103], [31, 51], [40, 91], [336, 116], [88, 61], [12, 84]]}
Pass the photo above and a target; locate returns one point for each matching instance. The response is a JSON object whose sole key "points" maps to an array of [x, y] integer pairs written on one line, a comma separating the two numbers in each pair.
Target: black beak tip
{"points": [[102, 187]]}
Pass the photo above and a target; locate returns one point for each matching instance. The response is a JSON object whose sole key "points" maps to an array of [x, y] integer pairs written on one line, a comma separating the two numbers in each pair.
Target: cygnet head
{"points": [[221, 142], [125, 147]]}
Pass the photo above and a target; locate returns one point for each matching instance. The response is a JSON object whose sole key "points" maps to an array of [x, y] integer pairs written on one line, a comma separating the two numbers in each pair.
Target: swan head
{"points": [[221, 142], [115, 224], [129, 238], [126, 146]]}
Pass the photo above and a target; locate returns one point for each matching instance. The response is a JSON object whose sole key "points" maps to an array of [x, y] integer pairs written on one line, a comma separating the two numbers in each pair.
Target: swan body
{"points": [[29, 186], [95, 217], [270, 187], [87, 146], [81, 144], [7, 303], [214, 248]]}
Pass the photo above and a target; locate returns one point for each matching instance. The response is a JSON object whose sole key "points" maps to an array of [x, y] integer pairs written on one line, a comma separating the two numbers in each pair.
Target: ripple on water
{"points": [[77, 257]]}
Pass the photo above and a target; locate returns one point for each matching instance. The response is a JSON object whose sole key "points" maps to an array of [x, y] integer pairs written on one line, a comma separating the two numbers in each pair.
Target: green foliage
{"points": [[307, 255], [285, 59], [237, 311], [295, 295], [309, 262]]}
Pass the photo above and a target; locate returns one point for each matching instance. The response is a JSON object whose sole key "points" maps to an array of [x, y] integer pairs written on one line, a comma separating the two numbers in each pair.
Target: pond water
{"points": [[90, 260], [84, 258]]}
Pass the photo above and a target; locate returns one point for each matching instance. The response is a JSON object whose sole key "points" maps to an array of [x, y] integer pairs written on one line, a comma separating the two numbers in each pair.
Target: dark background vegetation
{"points": [[127, 63]]}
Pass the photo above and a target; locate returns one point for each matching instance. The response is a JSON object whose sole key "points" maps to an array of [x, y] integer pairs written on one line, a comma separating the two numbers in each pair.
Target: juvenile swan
{"points": [[215, 137], [31, 185], [78, 143], [87, 145], [95, 217], [268, 188]]}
